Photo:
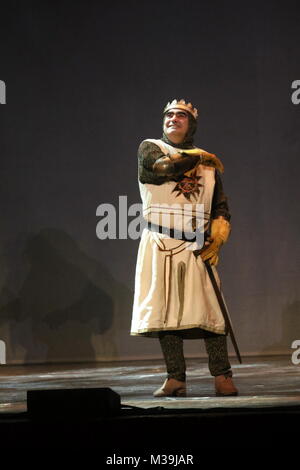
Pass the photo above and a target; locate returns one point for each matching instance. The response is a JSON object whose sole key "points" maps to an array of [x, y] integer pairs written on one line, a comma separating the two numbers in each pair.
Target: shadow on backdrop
{"points": [[290, 329], [56, 301]]}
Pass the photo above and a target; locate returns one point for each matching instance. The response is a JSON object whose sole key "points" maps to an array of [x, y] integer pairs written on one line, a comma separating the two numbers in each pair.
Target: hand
{"points": [[220, 231], [209, 159], [205, 158], [211, 250]]}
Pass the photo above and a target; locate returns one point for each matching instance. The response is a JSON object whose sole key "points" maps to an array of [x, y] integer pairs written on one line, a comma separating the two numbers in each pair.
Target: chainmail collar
{"points": [[183, 145]]}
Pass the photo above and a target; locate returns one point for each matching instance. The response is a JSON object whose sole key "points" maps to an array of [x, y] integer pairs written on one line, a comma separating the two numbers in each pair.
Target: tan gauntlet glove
{"points": [[205, 158], [220, 231]]}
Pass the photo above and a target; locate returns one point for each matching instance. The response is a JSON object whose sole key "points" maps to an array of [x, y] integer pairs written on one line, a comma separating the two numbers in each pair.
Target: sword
{"points": [[223, 308]]}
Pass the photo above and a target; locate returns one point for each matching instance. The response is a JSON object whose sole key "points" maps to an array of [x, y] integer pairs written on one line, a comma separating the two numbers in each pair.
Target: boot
{"points": [[171, 388], [224, 386]]}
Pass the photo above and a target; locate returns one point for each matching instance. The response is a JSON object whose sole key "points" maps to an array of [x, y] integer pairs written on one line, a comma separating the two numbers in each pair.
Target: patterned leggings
{"points": [[172, 347]]}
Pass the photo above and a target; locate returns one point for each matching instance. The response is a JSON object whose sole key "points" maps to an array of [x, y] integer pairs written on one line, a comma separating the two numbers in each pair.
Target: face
{"points": [[176, 124]]}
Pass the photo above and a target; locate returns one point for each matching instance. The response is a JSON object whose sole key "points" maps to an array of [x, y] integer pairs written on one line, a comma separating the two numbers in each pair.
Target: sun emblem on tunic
{"points": [[188, 186]]}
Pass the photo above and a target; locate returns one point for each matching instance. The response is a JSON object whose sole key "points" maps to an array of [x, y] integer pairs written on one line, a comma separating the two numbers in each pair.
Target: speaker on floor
{"points": [[88, 403]]}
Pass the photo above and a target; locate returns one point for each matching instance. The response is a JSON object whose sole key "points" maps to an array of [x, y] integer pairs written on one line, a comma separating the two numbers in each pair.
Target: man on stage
{"points": [[174, 298]]}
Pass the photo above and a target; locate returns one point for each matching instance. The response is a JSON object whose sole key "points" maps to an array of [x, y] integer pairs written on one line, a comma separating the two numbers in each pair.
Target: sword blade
{"points": [[223, 309]]}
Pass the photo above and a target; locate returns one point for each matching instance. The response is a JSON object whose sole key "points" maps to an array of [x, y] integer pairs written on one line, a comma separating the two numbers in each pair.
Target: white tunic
{"points": [[172, 288]]}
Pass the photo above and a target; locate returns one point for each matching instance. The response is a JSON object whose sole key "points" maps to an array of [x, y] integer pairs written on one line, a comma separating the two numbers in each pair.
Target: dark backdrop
{"points": [[86, 81]]}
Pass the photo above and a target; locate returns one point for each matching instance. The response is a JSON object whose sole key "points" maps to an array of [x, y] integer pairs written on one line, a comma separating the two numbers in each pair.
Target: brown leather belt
{"points": [[172, 233]]}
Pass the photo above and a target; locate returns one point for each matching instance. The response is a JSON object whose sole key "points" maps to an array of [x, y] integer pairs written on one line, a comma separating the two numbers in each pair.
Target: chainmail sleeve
{"points": [[148, 153], [220, 202], [155, 168]]}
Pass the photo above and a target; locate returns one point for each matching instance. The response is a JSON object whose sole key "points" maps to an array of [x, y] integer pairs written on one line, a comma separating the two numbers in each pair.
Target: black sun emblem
{"points": [[188, 186]]}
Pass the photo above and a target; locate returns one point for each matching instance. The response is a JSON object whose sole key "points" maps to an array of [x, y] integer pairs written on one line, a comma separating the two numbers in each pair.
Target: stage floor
{"points": [[271, 381]]}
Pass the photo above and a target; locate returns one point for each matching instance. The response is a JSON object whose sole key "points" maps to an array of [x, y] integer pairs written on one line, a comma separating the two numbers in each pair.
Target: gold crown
{"points": [[181, 104]]}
